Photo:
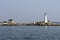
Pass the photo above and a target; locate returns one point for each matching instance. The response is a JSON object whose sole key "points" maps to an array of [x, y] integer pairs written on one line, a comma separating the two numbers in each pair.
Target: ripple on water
{"points": [[29, 33]]}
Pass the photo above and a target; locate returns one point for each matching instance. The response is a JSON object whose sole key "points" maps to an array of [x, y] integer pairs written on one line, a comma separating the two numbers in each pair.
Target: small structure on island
{"points": [[34, 23], [4, 23], [11, 22]]}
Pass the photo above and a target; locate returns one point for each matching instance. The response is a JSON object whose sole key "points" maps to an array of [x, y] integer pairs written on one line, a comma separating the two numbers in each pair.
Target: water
{"points": [[29, 32]]}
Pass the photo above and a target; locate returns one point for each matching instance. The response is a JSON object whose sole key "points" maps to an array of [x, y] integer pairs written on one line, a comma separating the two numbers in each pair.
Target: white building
{"points": [[45, 18]]}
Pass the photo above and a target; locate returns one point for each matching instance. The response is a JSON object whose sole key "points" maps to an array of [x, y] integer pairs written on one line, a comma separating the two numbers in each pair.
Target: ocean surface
{"points": [[29, 32]]}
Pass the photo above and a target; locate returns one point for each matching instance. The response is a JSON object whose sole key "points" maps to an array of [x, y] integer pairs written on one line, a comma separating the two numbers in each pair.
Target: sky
{"points": [[29, 10]]}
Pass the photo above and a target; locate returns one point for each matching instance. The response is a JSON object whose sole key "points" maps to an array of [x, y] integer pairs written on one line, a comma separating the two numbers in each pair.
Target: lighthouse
{"points": [[45, 18]]}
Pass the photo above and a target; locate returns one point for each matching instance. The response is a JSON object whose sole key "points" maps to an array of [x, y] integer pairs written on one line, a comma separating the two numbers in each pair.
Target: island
{"points": [[45, 22]]}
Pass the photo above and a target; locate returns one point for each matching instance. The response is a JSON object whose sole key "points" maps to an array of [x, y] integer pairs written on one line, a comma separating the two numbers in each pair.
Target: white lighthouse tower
{"points": [[45, 18]]}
